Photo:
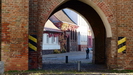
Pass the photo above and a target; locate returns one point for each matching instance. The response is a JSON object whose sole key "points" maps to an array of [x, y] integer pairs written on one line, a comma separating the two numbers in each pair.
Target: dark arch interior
{"points": [[96, 23]]}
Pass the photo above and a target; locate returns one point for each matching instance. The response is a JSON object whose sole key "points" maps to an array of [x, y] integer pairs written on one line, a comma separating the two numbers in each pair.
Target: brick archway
{"points": [[41, 15], [20, 18], [96, 23], [24, 18]]}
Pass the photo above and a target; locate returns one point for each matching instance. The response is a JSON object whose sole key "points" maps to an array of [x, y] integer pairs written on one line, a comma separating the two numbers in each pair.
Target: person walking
{"points": [[87, 53]]}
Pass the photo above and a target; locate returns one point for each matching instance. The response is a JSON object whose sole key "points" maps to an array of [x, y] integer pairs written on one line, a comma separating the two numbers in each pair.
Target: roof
{"points": [[61, 20], [63, 17], [49, 26]]}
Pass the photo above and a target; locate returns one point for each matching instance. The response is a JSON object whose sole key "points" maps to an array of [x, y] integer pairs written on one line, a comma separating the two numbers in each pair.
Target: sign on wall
{"points": [[121, 44], [32, 43]]}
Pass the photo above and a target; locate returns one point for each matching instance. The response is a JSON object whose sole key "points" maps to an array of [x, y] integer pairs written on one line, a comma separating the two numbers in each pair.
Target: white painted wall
{"points": [[83, 30], [50, 42]]}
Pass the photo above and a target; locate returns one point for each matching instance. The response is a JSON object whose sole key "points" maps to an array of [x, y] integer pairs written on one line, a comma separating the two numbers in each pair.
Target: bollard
{"points": [[79, 68], [66, 59]]}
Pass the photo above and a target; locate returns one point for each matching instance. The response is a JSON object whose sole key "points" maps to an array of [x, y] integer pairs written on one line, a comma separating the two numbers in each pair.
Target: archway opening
{"points": [[75, 35], [92, 17], [74, 39], [97, 26]]}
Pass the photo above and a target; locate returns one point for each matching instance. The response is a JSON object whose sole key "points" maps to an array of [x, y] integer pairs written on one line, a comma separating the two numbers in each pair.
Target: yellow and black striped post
{"points": [[32, 43], [121, 44]]}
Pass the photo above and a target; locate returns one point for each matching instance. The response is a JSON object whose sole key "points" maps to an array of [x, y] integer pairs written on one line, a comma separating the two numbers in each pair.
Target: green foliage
{"points": [[56, 51], [13, 71], [63, 50], [122, 71], [59, 51], [69, 72]]}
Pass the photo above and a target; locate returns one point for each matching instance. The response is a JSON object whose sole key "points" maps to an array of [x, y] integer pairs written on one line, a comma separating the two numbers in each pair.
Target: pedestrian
{"points": [[87, 53]]}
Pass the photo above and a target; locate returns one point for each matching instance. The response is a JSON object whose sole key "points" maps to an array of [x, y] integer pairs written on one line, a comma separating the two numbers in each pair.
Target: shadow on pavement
{"points": [[74, 67], [57, 62]]}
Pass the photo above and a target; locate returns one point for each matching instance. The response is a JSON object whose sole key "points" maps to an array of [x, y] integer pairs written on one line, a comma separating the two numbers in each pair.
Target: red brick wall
{"points": [[15, 14], [39, 12], [15, 34], [109, 9], [121, 25], [118, 14], [124, 20]]}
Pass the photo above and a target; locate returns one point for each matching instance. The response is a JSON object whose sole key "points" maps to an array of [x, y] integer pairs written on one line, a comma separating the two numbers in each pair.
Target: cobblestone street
{"points": [[58, 62], [73, 57]]}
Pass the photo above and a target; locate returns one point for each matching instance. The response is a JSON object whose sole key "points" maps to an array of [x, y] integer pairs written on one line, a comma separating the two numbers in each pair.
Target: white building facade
{"points": [[83, 31], [50, 41]]}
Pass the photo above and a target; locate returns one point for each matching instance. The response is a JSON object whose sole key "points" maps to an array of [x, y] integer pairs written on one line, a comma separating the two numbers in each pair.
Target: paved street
{"points": [[57, 62], [73, 57]]}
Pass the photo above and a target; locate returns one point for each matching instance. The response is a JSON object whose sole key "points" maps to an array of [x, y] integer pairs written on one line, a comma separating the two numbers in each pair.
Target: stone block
{"points": [[1, 67]]}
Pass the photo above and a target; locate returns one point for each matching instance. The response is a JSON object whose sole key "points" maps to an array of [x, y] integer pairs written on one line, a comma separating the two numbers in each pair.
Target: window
{"points": [[53, 39], [90, 42], [47, 40], [75, 35], [71, 35], [56, 40]]}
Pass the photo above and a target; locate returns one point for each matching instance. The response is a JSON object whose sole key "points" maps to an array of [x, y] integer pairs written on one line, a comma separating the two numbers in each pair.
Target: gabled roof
{"points": [[49, 26], [63, 17], [61, 20]]}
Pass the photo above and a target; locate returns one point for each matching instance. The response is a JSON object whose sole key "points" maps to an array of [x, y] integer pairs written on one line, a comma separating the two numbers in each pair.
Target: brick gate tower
{"points": [[22, 23]]}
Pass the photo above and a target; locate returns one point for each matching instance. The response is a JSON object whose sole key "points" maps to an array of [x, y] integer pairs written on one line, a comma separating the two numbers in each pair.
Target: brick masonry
{"points": [[18, 22], [124, 22], [15, 34]]}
